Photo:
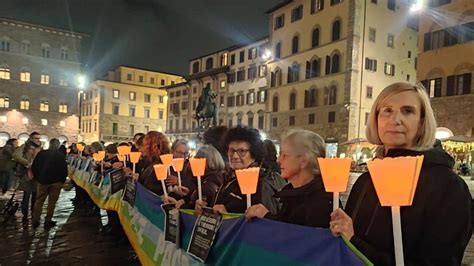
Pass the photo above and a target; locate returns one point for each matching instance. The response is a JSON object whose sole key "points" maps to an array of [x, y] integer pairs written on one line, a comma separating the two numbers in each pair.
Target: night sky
{"points": [[155, 34]]}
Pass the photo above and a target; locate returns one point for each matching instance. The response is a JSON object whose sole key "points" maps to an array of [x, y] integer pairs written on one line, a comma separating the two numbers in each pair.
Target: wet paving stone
{"points": [[75, 240]]}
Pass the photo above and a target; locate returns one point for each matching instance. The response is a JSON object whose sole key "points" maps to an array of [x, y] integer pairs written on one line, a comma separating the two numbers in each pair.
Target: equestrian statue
{"points": [[206, 111]]}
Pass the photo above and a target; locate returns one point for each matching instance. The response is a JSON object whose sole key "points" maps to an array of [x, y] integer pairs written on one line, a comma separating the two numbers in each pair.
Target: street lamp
{"points": [[81, 85]]}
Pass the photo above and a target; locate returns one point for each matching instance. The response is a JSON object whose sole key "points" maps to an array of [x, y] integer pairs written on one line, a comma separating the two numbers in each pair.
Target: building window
{"points": [[114, 128], [44, 122], [293, 73], [45, 50], [162, 82], [311, 119], [250, 120], [62, 123], [146, 112], [311, 98], [224, 59], [336, 30], [390, 40], [223, 83], [391, 5], [25, 47], [147, 98], [64, 53], [5, 45], [232, 59], [297, 13], [240, 100], [116, 94], [335, 63], [230, 101], [44, 79], [316, 6], [292, 120], [409, 54], [372, 33], [260, 121], [131, 111], [241, 75], [262, 70], [278, 50], [115, 109], [459, 84], [250, 98], [161, 99], [25, 76], [389, 69], [231, 77], [279, 22], [252, 53], [152, 80], [195, 67], [275, 104], [4, 73], [292, 101], [331, 117], [44, 106], [275, 122], [371, 64], [366, 118], [141, 79], [252, 72], [368, 93], [63, 108], [315, 38], [4, 102], [242, 56], [24, 104], [95, 108], [313, 68], [132, 96], [330, 95], [275, 79], [160, 114], [62, 82], [209, 63], [335, 2], [261, 96], [433, 87], [129, 77], [184, 105], [295, 44]]}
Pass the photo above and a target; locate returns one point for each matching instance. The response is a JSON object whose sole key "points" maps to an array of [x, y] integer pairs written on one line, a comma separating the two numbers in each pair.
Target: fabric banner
{"points": [[260, 242]]}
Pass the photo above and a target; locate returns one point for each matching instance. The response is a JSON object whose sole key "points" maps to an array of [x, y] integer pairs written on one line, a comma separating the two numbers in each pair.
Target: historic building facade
{"points": [[38, 70], [446, 63], [127, 101]]}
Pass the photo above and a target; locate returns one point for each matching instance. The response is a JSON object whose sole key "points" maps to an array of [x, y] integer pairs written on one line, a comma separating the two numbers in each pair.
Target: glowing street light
{"points": [[417, 6], [267, 54], [81, 82]]}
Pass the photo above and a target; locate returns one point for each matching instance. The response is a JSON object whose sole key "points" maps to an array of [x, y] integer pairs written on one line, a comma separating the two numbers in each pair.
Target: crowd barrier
{"points": [[260, 242]]}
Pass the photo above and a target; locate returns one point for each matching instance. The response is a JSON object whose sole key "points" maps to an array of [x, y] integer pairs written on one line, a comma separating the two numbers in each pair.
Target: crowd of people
{"points": [[436, 228]]}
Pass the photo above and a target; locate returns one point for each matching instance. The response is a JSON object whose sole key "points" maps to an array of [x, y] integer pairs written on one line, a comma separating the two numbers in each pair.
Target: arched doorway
{"points": [[443, 133]]}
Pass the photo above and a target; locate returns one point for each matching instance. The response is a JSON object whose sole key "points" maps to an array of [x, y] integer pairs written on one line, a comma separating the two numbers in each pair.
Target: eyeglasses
{"points": [[181, 154], [240, 152]]}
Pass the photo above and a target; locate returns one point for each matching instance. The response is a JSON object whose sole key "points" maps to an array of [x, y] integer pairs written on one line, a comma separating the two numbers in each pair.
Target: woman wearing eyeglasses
{"points": [[244, 149], [304, 200]]}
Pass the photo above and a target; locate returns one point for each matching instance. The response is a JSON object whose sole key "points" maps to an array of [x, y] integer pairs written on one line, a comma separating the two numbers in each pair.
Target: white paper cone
{"points": [[397, 236]]}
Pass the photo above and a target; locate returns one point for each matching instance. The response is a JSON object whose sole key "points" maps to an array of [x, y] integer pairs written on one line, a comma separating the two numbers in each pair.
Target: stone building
{"points": [[38, 70]]}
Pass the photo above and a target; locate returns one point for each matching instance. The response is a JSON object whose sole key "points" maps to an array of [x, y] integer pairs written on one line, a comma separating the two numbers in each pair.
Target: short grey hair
{"points": [[214, 160], [426, 133], [54, 144], [97, 146], [178, 142], [306, 143]]}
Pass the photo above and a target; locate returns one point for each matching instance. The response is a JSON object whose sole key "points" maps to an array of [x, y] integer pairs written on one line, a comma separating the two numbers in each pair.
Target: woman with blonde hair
{"points": [[304, 200], [437, 227]]}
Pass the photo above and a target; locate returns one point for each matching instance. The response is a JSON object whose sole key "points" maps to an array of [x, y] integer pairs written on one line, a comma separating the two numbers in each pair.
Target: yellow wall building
{"points": [[446, 63], [129, 101]]}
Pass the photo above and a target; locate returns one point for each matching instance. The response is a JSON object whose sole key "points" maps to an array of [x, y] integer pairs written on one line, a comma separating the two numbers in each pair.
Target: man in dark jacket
{"points": [[50, 171]]}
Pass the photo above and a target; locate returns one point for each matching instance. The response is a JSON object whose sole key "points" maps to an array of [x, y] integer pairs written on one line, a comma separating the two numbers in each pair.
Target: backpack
{"points": [[272, 182]]}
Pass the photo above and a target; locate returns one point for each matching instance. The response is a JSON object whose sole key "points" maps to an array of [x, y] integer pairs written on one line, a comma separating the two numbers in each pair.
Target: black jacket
{"points": [[49, 167], [435, 229], [210, 185], [230, 196], [308, 205]]}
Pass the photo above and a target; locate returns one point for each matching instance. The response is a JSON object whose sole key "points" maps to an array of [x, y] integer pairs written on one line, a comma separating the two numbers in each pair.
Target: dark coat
{"points": [[49, 167], [435, 229], [308, 205], [230, 196], [210, 184], [148, 179]]}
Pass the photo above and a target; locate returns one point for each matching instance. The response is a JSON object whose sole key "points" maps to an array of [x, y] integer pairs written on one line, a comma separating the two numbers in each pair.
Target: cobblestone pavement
{"points": [[75, 240]]}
